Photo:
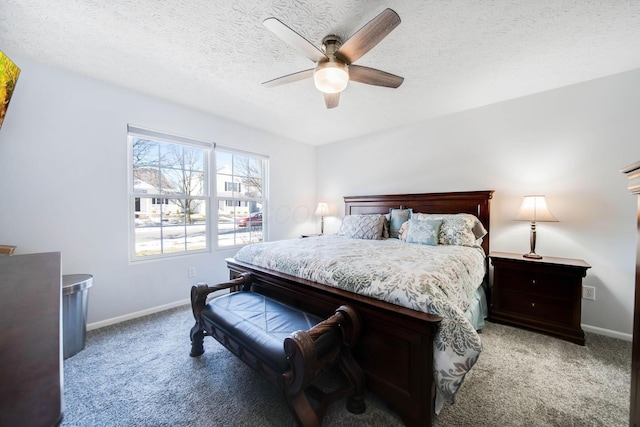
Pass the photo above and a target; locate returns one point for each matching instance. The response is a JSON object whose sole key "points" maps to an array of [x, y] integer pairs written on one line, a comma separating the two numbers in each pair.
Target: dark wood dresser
{"points": [[633, 172], [30, 354], [541, 294]]}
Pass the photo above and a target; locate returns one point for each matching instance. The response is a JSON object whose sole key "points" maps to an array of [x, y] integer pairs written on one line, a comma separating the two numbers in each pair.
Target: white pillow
{"points": [[402, 233]]}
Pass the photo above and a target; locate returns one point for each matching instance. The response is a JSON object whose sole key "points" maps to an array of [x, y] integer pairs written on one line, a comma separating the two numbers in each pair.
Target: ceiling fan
{"points": [[335, 62]]}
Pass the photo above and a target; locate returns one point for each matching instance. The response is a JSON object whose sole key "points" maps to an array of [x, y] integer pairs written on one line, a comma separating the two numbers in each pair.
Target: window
{"points": [[232, 186], [241, 197], [170, 201], [169, 194]]}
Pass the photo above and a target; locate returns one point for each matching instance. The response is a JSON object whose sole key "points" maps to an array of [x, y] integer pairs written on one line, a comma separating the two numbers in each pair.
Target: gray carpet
{"points": [[139, 373]]}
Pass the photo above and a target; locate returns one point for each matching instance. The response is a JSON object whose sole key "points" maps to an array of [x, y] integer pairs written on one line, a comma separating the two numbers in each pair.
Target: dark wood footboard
{"points": [[396, 347]]}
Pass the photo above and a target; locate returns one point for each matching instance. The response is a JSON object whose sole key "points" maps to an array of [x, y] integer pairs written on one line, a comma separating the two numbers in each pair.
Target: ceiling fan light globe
{"points": [[331, 77]]}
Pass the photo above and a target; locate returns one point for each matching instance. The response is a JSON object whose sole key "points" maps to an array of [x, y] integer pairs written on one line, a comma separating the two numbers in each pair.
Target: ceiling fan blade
{"points": [[294, 39], [371, 76], [368, 36], [289, 78], [332, 99]]}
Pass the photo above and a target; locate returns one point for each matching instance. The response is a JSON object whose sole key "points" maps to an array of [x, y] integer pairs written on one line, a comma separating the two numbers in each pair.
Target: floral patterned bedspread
{"points": [[435, 279]]}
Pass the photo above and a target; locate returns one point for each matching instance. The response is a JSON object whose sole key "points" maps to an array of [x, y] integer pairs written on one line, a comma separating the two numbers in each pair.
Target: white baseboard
{"points": [[607, 332], [130, 316], [114, 320]]}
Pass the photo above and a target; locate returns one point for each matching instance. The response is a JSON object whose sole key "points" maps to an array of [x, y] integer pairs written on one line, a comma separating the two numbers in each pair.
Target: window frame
{"points": [[134, 132], [210, 192], [216, 198]]}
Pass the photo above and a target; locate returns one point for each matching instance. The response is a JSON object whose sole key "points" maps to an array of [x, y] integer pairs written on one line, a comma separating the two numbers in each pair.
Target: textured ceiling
{"points": [[214, 55]]}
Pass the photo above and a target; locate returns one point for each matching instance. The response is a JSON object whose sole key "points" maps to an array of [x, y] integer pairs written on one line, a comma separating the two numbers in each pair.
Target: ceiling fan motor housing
{"points": [[330, 44]]}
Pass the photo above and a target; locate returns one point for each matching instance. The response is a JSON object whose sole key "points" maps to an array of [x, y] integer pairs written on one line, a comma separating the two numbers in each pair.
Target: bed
{"points": [[400, 334]]}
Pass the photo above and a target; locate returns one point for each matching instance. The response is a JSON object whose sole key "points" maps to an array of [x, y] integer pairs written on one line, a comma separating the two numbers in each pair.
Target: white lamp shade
{"points": [[322, 209], [331, 77], [534, 208]]}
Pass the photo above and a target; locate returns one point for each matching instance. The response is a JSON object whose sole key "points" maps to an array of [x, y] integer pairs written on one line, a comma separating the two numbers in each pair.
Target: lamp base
{"points": [[532, 255]]}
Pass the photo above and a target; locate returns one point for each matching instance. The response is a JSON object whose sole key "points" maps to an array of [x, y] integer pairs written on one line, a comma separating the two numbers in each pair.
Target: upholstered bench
{"points": [[288, 346]]}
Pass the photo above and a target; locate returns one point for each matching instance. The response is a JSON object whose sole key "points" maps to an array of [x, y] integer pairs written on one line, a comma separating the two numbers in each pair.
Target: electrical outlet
{"points": [[589, 292], [191, 272]]}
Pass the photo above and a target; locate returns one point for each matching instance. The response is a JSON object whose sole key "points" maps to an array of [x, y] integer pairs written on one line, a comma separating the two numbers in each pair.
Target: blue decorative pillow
{"points": [[457, 229], [424, 232], [397, 217]]}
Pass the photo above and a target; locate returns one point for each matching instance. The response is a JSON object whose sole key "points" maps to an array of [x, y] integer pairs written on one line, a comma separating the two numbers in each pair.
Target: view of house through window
{"points": [[169, 196], [240, 196]]}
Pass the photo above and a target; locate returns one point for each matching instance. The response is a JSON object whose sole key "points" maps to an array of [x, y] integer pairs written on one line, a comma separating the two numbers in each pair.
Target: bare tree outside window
{"points": [[144, 153], [249, 170], [240, 192], [185, 171], [174, 174]]}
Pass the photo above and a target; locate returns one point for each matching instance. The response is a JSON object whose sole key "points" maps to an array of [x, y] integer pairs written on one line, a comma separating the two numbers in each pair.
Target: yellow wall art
{"points": [[9, 73]]}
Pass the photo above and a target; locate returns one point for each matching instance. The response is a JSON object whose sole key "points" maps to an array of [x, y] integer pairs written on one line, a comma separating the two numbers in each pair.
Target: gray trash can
{"points": [[75, 296]]}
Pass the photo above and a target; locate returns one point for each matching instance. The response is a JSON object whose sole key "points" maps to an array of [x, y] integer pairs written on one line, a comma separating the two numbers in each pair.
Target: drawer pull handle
{"points": [[533, 281], [533, 304]]}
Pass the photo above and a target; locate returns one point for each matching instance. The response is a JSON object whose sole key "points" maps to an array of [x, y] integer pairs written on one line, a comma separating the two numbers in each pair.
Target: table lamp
{"points": [[321, 211], [534, 209]]}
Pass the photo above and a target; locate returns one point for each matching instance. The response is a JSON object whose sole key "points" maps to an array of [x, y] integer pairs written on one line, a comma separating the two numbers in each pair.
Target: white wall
{"points": [[63, 184], [568, 144]]}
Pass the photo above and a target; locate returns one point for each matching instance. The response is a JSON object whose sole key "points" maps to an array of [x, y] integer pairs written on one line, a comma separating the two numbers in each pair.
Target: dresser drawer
{"points": [[540, 307], [536, 283]]}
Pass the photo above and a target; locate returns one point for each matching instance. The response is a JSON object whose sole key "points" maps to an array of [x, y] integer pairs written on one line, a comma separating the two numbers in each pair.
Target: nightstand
{"points": [[541, 294]]}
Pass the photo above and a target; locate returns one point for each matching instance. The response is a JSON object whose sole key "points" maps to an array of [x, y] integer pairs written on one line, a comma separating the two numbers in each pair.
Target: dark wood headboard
{"points": [[472, 202]]}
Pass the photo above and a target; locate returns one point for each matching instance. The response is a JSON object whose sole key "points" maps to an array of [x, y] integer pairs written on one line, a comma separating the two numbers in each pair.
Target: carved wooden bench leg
{"points": [[303, 411], [199, 295], [197, 341], [306, 363], [351, 330], [353, 372]]}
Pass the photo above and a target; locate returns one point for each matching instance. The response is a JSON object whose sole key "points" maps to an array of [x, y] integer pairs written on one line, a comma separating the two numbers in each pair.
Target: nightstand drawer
{"points": [[536, 306], [536, 283]]}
